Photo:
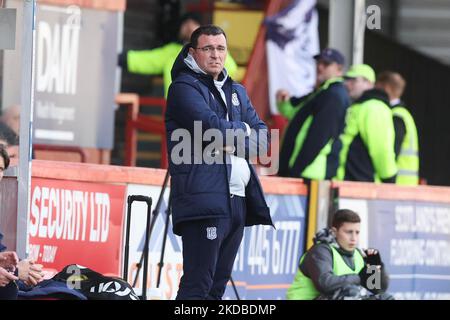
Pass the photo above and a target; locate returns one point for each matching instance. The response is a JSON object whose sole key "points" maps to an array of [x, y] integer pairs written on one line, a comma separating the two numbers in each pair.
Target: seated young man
{"points": [[335, 266]]}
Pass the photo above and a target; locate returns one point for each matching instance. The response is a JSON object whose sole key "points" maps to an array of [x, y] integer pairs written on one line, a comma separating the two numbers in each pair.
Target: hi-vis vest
{"points": [[408, 158], [303, 288]]}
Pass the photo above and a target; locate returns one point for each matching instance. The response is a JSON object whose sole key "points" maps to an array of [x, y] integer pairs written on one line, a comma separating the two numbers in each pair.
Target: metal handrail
{"points": [[147, 123], [47, 147]]}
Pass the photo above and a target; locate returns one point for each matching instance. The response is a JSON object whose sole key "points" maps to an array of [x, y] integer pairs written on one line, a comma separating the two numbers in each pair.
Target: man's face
{"points": [[356, 86], [13, 152], [327, 70], [210, 53], [186, 30], [2, 167], [347, 236]]}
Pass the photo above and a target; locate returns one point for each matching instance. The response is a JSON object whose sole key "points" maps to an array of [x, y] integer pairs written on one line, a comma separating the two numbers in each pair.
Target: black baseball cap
{"points": [[331, 55]]}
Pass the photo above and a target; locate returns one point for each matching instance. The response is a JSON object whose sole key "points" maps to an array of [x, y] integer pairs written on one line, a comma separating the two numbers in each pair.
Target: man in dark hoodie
{"points": [[311, 145], [215, 192], [368, 139], [335, 267]]}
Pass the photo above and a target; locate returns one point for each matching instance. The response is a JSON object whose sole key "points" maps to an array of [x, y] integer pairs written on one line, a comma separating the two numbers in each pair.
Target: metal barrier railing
{"points": [[47, 147]]}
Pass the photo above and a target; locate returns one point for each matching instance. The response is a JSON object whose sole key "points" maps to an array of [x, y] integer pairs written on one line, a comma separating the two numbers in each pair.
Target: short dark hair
{"points": [[4, 155], [344, 215], [7, 134], [209, 29]]}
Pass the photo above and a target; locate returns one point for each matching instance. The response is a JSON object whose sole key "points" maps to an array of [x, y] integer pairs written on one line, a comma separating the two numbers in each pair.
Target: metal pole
{"points": [[163, 247], [26, 125], [127, 240], [359, 28], [347, 22]]}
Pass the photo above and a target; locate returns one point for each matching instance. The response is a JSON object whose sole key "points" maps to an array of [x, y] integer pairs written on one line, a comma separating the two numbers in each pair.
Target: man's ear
{"points": [[191, 51]]}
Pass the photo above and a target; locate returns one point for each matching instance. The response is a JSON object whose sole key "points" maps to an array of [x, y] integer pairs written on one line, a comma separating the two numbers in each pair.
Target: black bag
{"points": [[94, 285]]}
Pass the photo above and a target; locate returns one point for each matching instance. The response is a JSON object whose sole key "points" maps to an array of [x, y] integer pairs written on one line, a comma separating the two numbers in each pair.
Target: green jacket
{"points": [[160, 61], [303, 287], [408, 158], [368, 139]]}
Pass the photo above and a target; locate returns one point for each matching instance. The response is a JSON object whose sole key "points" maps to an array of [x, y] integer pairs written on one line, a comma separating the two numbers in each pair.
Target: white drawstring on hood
{"points": [[192, 64]]}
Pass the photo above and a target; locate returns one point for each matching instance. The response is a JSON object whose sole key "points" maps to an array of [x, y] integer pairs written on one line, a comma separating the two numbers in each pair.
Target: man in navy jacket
{"points": [[311, 145], [215, 191]]}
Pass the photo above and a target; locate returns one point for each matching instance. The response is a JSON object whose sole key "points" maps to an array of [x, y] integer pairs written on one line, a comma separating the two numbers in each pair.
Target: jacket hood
{"points": [[326, 236], [374, 94], [179, 65], [192, 64]]}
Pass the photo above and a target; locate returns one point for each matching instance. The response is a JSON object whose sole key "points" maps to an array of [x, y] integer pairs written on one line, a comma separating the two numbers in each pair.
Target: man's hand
{"points": [[373, 257], [6, 277], [30, 273], [282, 95], [229, 149], [8, 260]]}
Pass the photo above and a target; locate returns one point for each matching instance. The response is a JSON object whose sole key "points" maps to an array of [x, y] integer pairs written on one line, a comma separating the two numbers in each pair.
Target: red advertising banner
{"points": [[76, 222]]}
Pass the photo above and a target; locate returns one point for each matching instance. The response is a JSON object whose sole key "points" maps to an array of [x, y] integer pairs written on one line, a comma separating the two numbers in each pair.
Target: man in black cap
{"points": [[310, 145]]}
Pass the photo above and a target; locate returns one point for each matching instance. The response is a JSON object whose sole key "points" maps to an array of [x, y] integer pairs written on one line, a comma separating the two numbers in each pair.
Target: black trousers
{"points": [[209, 250]]}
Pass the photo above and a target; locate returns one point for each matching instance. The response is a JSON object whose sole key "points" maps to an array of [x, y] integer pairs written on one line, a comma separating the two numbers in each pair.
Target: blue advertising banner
{"points": [[265, 265], [267, 261], [414, 241]]}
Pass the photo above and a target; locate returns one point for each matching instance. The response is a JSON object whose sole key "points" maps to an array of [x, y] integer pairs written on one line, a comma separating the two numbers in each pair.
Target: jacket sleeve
{"points": [[379, 136], [326, 124], [149, 62], [286, 109], [257, 143], [231, 65], [185, 104], [318, 266], [290, 108]]}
